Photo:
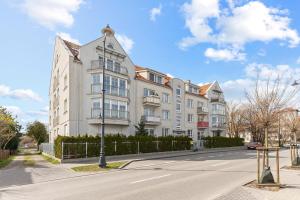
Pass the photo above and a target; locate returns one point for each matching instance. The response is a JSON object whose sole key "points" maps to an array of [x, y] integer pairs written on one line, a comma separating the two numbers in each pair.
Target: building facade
{"points": [[168, 106]]}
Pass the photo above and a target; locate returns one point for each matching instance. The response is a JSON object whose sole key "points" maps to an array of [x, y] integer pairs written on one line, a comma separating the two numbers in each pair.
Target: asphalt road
{"points": [[201, 176]]}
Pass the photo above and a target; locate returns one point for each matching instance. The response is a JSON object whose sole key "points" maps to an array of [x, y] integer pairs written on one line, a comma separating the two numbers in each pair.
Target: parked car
{"points": [[254, 145]]}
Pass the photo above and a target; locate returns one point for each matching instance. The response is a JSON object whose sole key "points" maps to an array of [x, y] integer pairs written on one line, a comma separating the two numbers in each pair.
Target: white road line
{"points": [[154, 164], [219, 164], [149, 179]]}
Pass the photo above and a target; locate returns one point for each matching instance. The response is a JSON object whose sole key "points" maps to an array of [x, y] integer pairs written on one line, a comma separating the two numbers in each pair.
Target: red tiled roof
{"points": [[74, 48], [204, 88]]}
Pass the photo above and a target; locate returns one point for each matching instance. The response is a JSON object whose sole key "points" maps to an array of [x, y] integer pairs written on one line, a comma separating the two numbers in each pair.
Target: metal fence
{"points": [[86, 150], [47, 148], [4, 154]]}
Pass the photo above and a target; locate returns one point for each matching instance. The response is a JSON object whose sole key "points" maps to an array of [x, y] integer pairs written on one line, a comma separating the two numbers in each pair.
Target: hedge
{"points": [[214, 142], [75, 147]]}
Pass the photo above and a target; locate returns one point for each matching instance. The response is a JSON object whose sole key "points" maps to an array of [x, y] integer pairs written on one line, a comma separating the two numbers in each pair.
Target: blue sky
{"points": [[226, 40]]}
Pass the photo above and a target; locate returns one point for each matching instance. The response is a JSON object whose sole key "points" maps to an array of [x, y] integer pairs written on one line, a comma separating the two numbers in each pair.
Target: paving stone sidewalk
{"points": [[291, 191]]}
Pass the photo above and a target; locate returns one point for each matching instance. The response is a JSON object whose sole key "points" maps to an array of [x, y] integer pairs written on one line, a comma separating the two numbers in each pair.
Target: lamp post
{"points": [[102, 161]]}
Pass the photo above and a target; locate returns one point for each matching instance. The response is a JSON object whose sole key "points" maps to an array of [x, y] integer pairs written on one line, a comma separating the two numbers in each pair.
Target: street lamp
{"points": [[102, 161]]}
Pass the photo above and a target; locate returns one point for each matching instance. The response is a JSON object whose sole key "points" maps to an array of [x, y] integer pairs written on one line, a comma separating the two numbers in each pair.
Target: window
{"points": [[165, 132], [149, 111], [110, 45], [65, 129], [190, 103], [148, 92], [65, 105], [114, 85], [159, 79], [95, 79], [178, 91], [155, 78], [122, 87], [65, 82], [150, 131], [190, 118], [165, 98], [117, 67], [100, 61], [178, 107], [109, 65], [166, 114], [107, 84], [190, 133], [151, 77]]}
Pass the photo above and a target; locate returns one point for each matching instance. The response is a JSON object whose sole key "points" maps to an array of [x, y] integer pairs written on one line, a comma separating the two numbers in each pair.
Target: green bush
{"points": [[214, 142], [75, 147]]}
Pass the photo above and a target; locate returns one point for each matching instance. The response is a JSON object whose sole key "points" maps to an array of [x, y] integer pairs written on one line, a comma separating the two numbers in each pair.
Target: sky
{"points": [[231, 41]]}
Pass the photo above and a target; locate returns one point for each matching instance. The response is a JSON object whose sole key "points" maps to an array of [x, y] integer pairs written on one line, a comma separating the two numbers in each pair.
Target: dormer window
{"points": [[155, 78]]}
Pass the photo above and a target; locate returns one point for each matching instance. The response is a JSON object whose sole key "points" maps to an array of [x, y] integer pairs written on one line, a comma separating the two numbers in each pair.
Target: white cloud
{"points": [[232, 28], [154, 12], [15, 110], [28, 94], [67, 36], [197, 13], [125, 42], [51, 13], [298, 61], [224, 54], [234, 90]]}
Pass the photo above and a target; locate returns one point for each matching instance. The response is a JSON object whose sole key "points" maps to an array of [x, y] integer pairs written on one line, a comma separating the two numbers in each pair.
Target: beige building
{"points": [[168, 106]]}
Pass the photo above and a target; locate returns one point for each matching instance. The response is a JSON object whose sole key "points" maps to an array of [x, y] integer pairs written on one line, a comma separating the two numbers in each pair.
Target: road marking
{"points": [[219, 164], [150, 179], [155, 164]]}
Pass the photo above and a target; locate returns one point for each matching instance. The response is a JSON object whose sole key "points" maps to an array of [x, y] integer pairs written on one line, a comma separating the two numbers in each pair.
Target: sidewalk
{"points": [[146, 156], [18, 173], [291, 191]]}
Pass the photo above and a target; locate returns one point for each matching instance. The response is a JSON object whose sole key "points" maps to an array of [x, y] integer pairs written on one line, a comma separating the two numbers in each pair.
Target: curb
{"points": [[181, 155]]}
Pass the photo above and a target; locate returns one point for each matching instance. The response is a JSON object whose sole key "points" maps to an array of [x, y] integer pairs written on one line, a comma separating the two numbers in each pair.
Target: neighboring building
{"points": [[217, 108], [169, 106]]}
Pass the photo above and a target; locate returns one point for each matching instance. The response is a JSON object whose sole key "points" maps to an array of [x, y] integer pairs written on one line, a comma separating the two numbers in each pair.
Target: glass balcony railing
{"points": [[98, 64], [96, 113], [109, 89]]}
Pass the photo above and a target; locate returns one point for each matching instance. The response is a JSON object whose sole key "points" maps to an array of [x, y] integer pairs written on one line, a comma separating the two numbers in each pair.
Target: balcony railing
{"points": [[202, 124], [98, 64], [109, 89], [202, 110], [216, 99], [152, 100], [96, 113], [151, 119], [219, 125]]}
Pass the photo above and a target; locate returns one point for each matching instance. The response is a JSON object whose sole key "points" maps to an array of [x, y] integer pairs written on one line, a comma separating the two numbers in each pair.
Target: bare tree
{"points": [[267, 99], [234, 119], [291, 122]]}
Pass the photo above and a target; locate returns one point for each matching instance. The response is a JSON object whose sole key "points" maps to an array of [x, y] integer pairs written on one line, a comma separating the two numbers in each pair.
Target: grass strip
{"points": [[96, 168], [5, 162], [50, 160], [28, 161]]}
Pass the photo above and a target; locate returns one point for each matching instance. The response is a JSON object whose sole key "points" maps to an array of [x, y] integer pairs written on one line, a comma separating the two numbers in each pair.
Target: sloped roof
{"points": [[74, 49], [204, 89]]}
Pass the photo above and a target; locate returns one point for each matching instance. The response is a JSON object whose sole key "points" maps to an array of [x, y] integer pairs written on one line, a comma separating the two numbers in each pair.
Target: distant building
{"points": [[168, 106]]}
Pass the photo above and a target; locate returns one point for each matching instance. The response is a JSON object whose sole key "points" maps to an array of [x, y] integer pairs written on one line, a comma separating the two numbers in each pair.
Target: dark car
{"points": [[253, 145]]}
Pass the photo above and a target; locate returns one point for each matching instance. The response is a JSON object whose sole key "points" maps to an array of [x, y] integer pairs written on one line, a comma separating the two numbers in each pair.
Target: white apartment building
{"points": [[168, 106]]}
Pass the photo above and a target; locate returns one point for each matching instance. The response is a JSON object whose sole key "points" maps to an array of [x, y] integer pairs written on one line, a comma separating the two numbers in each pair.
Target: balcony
{"points": [[218, 125], [110, 90], [217, 99], [151, 120], [202, 111], [98, 64], [152, 100], [117, 117], [202, 124]]}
